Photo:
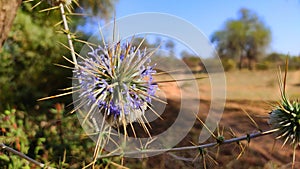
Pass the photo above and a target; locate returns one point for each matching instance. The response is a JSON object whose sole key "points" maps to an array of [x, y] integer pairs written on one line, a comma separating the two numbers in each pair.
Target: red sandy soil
{"points": [[262, 152]]}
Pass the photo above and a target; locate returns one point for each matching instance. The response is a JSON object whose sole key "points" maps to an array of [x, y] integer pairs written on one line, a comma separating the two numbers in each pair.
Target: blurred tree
{"points": [[170, 46], [104, 8], [158, 41], [7, 14], [192, 61], [244, 38], [146, 44], [276, 58]]}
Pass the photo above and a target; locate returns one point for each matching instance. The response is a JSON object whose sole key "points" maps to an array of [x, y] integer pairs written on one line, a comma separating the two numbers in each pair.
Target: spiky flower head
{"points": [[286, 116], [117, 79]]}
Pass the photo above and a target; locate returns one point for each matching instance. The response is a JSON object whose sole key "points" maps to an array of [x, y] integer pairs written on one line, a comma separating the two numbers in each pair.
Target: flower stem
{"points": [[66, 27], [228, 141], [5, 147]]}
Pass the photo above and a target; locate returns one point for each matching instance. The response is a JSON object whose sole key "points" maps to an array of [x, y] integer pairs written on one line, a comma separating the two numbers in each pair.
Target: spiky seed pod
{"points": [[286, 118], [118, 80]]}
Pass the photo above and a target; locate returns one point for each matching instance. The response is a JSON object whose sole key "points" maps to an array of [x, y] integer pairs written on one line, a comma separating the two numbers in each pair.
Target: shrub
{"points": [[294, 63], [229, 64], [265, 65]]}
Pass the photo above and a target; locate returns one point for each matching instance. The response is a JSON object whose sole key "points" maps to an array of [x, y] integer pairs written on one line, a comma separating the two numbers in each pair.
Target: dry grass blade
{"points": [[178, 80], [252, 120], [85, 42], [34, 6], [169, 72], [63, 66], [49, 9], [118, 165], [157, 115], [242, 148], [78, 14], [56, 96], [58, 23], [26, 1], [181, 158], [204, 125], [204, 155]]}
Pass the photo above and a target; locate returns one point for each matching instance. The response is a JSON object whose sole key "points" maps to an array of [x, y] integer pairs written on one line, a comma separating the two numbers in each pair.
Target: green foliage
{"points": [[63, 135], [294, 63], [276, 57], [27, 73], [192, 61], [44, 140], [146, 44], [274, 60], [228, 64], [246, 36], [26, 63], [103, 8], [12, 132], [27, 70], [265, 65]]}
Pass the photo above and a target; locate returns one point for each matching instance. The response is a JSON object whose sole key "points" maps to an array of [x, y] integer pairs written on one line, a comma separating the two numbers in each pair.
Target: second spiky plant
{"points": [[286, 117]]}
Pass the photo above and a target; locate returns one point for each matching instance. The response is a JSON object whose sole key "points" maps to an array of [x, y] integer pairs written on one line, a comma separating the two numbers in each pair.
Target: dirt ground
{"points": [[262, 152]]}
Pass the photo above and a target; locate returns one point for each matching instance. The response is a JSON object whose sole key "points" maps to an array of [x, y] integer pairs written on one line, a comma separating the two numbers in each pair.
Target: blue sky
{"points": [[281, 16]]}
